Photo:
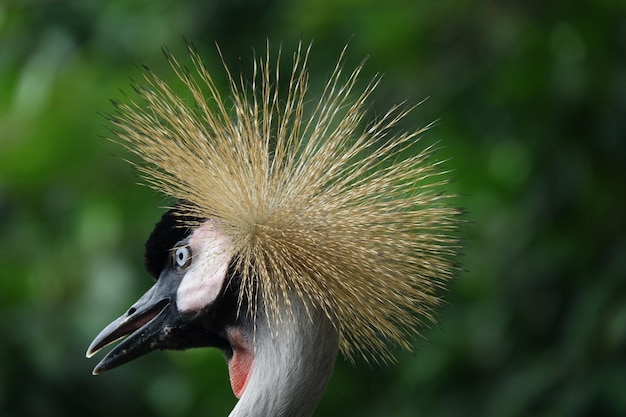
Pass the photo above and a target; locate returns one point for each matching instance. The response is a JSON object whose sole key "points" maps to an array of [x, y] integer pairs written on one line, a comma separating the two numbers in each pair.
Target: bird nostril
{"points": [[131, 311]]}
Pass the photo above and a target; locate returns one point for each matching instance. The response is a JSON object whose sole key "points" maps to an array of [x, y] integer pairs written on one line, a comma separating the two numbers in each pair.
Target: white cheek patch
{"points": [[211, 254]]}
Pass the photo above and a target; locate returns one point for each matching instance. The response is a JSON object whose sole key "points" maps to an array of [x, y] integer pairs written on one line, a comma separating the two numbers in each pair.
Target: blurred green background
{"points": [[530, 99]]}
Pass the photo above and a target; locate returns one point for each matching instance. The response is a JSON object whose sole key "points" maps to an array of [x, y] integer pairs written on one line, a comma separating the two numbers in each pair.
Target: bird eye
{"points": [[182, 257]]}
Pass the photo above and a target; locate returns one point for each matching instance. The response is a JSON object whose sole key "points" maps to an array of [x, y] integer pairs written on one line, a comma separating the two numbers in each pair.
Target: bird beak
{"points": [[147, 324]]}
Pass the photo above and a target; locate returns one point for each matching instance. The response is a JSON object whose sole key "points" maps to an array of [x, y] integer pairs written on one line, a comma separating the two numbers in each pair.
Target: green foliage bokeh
{"points": [[530, 99]]}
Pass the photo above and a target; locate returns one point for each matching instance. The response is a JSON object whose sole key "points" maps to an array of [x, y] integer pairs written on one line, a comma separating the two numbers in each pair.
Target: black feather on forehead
{"points": [[171, 229]]}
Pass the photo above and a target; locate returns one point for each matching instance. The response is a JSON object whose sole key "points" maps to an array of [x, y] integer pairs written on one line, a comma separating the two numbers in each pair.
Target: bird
{"points": [[300, 227]]}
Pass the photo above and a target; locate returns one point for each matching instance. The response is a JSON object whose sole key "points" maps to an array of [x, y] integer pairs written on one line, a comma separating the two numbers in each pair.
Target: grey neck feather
{"points": [[292, 365]]}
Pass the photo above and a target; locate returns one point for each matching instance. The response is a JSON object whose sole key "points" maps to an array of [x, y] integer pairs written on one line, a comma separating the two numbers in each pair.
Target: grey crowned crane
{"points": [[299, 231]]}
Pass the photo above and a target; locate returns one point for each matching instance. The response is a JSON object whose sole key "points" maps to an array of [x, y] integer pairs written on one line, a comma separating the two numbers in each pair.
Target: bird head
{"points": [[293, 211]]}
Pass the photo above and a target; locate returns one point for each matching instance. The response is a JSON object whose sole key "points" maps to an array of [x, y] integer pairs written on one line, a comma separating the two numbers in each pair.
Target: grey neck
{"points": [[293, 363]]}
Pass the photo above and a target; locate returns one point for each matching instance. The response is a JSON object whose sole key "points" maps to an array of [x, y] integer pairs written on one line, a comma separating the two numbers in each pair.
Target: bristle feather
{"points": [[316, 205]]}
